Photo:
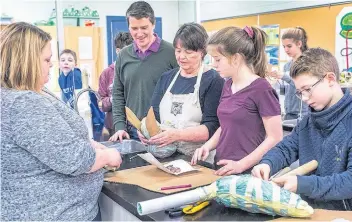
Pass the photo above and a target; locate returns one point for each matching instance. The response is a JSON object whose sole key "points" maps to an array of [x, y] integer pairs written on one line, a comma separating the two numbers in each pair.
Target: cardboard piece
{"points": [[152, 178], [132, 118], [323, 215], [151, 123]]}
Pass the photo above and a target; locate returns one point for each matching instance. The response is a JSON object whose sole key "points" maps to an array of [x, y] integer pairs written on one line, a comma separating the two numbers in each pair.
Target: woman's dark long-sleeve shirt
{"points": [[209, 94]]}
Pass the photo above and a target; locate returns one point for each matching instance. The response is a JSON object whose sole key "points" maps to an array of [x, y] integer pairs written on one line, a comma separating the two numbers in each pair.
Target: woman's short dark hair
{"points": [[122, 39], [192, 36], [139, 10]]}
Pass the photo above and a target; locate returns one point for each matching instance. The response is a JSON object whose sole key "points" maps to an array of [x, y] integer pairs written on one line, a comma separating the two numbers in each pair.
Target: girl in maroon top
{"points": [[249, 109]]}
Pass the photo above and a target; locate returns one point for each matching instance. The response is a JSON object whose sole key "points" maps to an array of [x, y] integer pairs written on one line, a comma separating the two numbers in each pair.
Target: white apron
{"points": [[182, 111]]}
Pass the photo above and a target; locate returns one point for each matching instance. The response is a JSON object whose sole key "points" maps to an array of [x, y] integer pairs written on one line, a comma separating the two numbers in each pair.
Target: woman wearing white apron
{"points": [[185, 99]]}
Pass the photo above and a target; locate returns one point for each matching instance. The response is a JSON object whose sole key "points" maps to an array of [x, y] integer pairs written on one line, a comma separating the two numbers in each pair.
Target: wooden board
{"points": [[322, 215]]}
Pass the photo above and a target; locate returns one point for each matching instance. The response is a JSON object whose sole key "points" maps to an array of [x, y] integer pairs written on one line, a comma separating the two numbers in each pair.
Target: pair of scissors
{"points": [[175, 212], [191, 209], [188, 209]]}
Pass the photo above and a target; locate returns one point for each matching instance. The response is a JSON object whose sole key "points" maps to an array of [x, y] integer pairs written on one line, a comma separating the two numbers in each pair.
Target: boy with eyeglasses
{"points": [[324, 135]]}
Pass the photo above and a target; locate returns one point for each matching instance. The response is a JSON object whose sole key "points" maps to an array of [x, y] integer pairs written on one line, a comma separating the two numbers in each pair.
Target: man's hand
{"points": [[119, 135]]}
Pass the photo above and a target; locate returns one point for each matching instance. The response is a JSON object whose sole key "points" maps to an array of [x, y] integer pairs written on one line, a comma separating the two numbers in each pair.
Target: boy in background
{"points": [[70, 78]]}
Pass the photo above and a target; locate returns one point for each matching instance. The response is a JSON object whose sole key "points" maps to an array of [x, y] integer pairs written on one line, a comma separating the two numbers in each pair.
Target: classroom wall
{"points": [[310, 19], [186, 11], [213, 9], [28, 10], [34, 10]]}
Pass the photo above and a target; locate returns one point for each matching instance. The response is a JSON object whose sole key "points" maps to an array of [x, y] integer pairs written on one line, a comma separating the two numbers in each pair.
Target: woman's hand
{"points": [[97, 145], [230, 167], [114, 158], [166, 137], [142, 138]]}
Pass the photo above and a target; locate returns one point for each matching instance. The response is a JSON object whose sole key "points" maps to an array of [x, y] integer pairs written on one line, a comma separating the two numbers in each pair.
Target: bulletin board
{"points": [[319, 23]]}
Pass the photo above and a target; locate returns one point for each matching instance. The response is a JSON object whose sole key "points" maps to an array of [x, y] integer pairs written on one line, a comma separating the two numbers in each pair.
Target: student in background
{"points": [[106, 80], [249, 109], [138, 69], [294, 41], [70, 78], [324, 135]]}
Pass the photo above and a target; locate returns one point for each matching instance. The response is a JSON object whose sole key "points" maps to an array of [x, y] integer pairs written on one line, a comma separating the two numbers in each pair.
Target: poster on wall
{"points": [[343, 39], [272, 53], [85, 47], [273, 43], [273, 34]]}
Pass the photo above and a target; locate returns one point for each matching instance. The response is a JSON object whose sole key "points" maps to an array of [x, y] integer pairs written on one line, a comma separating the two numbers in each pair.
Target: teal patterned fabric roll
{"points": [[258, 196]]}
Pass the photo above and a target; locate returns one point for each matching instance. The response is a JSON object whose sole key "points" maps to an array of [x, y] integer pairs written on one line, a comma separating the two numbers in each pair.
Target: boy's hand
{"points": [[261, 171], [287, 182]]}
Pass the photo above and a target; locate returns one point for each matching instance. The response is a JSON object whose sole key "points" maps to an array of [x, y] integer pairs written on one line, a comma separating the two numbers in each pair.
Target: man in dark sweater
{"points": [[324, 135], [138, 69]]}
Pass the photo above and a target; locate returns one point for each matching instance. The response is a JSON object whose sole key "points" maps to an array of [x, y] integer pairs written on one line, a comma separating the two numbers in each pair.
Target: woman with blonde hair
{"points": [[50, 169]]}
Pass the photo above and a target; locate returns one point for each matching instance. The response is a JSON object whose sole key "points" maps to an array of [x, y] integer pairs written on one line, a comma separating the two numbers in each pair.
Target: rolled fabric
{"points": [[244, 192], [171, 201]]}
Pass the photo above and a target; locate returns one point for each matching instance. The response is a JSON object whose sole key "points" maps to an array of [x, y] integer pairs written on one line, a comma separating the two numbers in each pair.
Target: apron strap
{"points": [[173, 81], [196, 86]]}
